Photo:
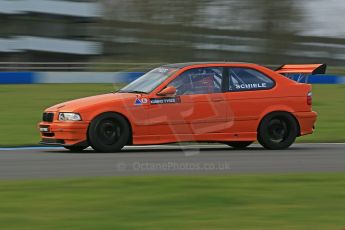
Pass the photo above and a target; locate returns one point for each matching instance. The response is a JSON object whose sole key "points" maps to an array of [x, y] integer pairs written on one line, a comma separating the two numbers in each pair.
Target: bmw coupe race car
{"points": [[231, 103]]}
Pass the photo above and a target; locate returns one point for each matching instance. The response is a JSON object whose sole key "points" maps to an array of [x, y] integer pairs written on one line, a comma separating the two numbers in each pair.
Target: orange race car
{"points": [[231, 103]]}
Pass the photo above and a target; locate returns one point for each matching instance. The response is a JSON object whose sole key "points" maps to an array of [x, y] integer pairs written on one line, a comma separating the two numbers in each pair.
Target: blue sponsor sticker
{"points": [[140, 101]]}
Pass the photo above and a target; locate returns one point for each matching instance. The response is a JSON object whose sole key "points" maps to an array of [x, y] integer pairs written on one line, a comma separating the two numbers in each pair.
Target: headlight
{"points": [[69, 117]]}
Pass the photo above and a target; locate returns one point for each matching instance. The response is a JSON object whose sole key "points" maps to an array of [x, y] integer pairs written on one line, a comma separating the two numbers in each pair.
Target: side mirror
{"points": [[168, 91]]}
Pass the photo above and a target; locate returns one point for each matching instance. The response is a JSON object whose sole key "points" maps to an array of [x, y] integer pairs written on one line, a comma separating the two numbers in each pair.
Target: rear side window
{"points": [[246, 79]]}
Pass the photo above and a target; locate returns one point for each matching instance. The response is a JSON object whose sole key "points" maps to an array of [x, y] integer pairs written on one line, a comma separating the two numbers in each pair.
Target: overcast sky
{"points": [[325, 18]]}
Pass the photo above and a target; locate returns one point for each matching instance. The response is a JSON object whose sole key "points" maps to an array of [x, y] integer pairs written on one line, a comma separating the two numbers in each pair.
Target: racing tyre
{"points": [[75, 149], [239, 144], [109, 132], [277, 131]]}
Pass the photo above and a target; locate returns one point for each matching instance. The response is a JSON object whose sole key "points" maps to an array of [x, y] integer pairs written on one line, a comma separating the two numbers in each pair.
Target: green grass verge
{"points": [[329, 103], [265, 202], [22, 106]]}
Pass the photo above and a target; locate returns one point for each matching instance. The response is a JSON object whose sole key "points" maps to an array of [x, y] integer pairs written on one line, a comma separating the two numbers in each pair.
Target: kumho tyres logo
{"points": [[170, 100]]}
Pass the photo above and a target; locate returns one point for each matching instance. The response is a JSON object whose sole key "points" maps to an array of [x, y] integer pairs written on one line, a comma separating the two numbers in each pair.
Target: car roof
{"points": [[186, 64]]}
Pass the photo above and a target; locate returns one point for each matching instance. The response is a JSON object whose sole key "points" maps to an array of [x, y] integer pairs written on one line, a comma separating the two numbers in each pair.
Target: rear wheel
{"points": [[239, 144], [278, 131], [109, 132], [75, 148]]}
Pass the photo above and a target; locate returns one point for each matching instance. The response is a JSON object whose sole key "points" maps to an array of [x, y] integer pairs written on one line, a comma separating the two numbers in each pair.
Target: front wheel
{"points": [[277, 131], [109, 132], [239, 144]]}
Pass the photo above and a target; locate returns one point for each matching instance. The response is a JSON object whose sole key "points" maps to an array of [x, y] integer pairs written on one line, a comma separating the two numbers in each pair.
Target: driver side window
{"points": [[199, 81]]}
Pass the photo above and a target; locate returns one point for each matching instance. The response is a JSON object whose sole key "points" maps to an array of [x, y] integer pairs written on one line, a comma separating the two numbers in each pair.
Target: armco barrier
{"points": [[326, 79], [318, 79], [67, 77], [111, 77], [16, 77]]}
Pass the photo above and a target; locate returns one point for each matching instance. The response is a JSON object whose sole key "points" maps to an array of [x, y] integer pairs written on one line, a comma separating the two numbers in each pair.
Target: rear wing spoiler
{"points": [[302, 69], [301, 72]]}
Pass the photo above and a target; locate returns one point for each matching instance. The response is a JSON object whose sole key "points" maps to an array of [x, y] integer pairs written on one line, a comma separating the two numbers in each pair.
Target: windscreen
{"points": [[149, 81]]}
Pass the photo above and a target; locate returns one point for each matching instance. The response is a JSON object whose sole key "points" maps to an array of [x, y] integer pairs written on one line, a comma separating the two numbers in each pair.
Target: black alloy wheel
{"points": [[278, 130], [109, 132]]}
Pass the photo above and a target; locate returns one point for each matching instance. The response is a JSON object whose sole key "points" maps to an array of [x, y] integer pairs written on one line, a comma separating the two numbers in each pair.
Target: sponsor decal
{"points": [[251, 86], [166, 100], [140, 101]]}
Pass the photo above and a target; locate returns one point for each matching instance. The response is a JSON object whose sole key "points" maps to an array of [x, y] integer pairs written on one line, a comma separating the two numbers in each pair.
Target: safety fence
{"points": [[67, 77], [112, 77], [78, 66]]}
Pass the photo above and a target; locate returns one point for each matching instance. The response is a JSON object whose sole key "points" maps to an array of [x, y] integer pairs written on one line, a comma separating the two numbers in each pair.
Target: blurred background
{"points": [[93, 44], [113, 42], [100, 46], [100, 35]]}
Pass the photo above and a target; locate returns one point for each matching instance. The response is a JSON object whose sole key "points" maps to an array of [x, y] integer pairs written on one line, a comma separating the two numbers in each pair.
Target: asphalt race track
{"points": [[33, 163]]}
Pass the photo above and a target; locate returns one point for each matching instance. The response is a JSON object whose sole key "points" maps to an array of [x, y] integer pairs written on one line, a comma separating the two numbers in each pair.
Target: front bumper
{"points": [[63, 133]]}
